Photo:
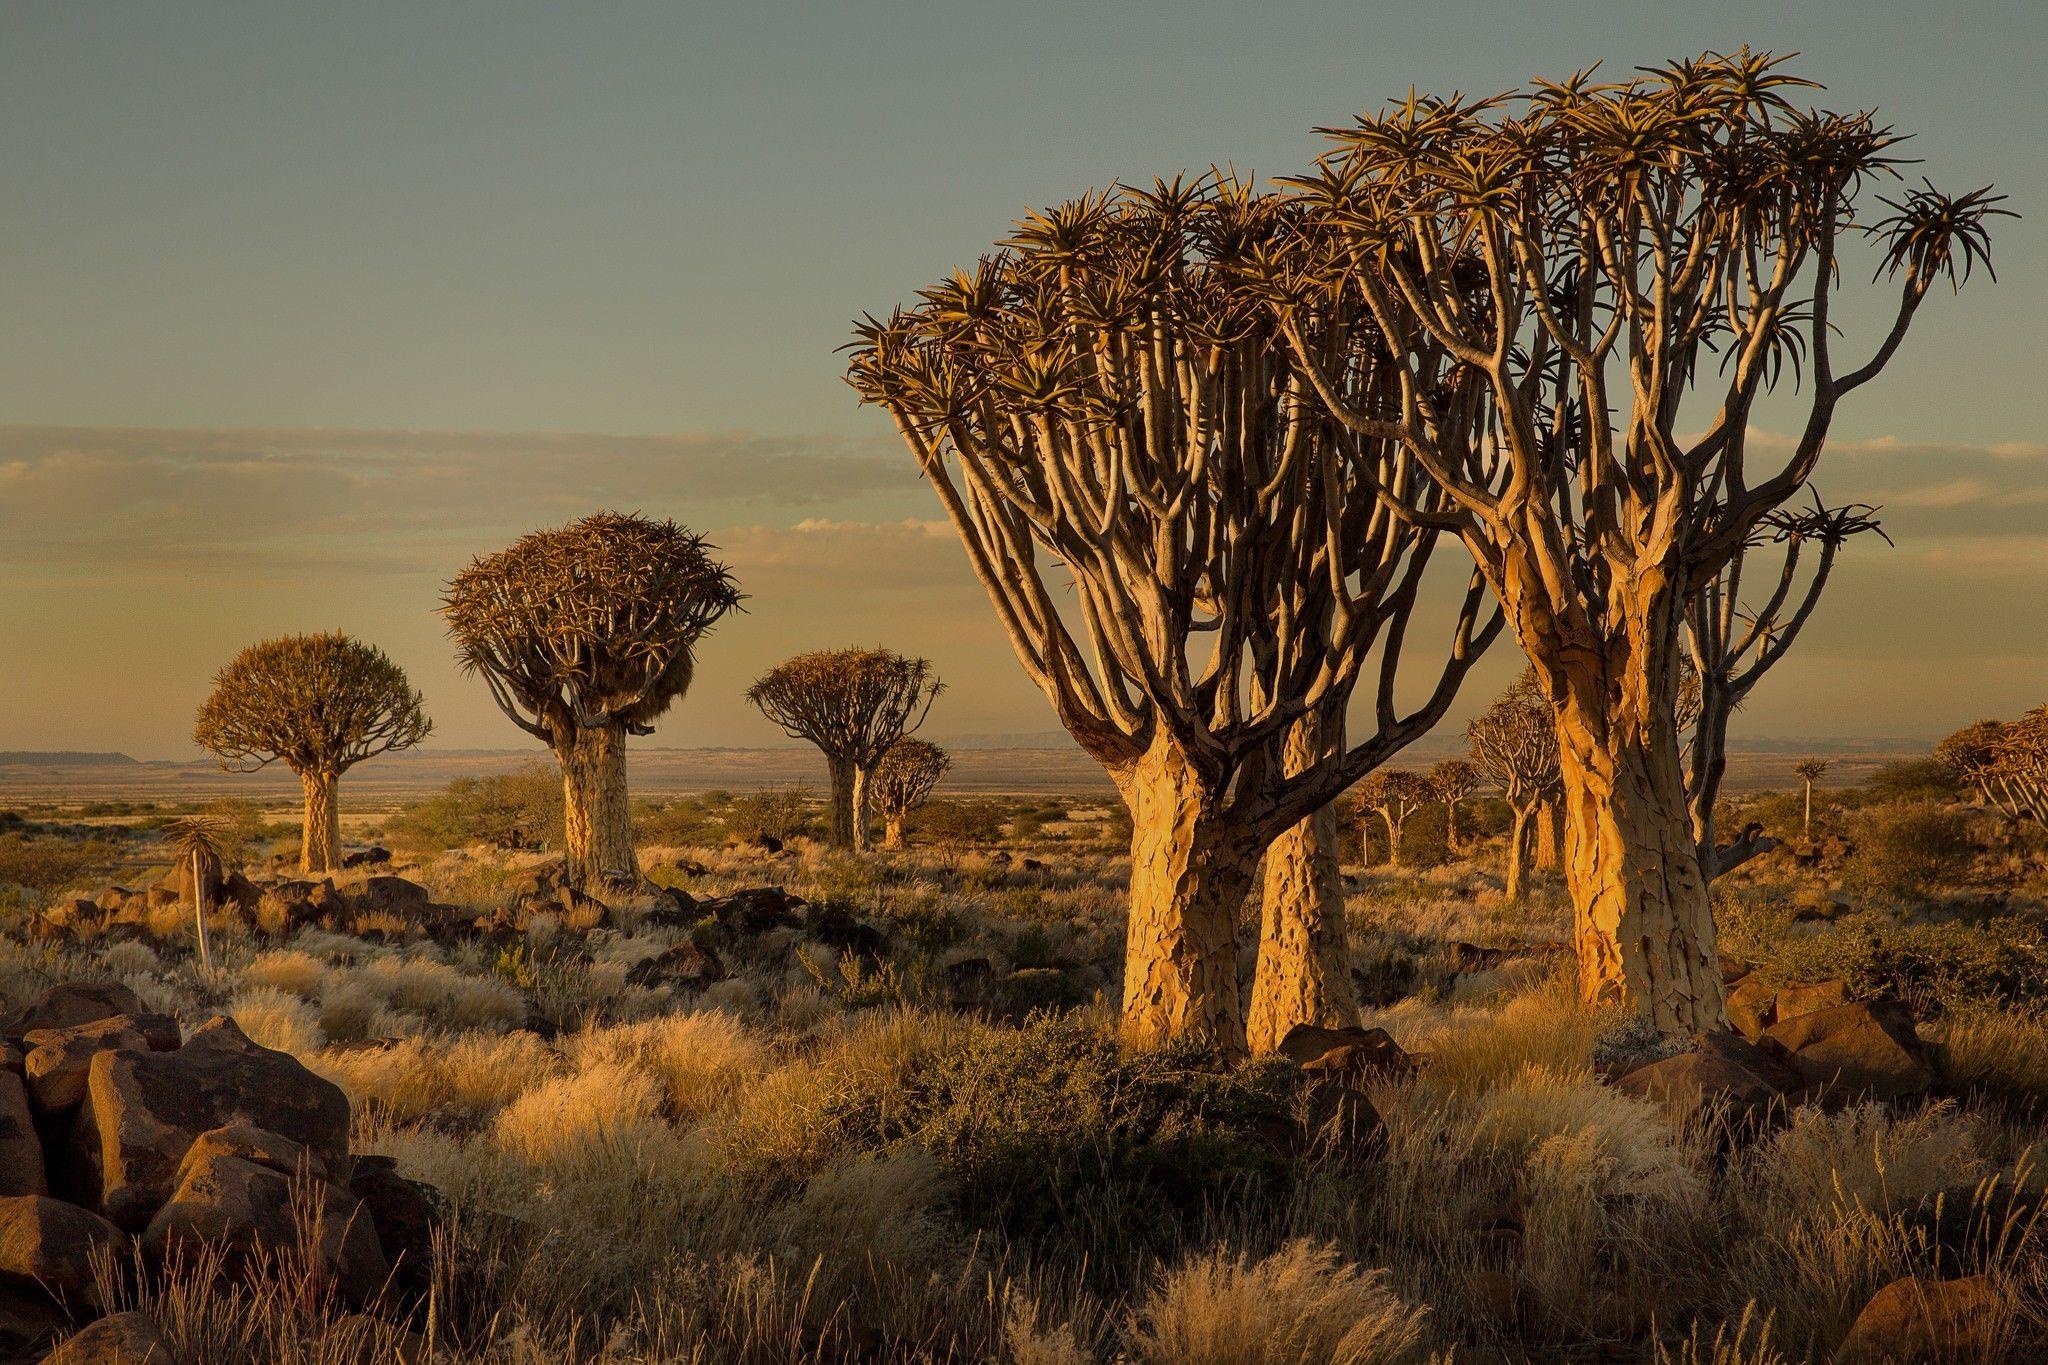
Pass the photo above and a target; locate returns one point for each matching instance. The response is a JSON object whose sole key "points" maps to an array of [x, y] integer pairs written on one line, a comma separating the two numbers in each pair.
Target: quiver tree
{"points": [[2005, 763], [905, 780], [1514, 744], [1554, 273], [586, 634], [1393, 796], [319, 704], [1739, 623], [1190, 560], [1810, 771], [197, 842], [854, 704], [1451, 781]]}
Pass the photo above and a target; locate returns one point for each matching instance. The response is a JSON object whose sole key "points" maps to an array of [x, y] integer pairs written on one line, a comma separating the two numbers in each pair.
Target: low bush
{"points": [[1916, 851], [521, 808]]}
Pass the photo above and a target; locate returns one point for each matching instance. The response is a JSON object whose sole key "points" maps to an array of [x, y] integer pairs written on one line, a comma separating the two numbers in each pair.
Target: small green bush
{"points": [[1946, 966], [961, 822], [46, 864], [1916, 851], [777, 813], [524, 806]]}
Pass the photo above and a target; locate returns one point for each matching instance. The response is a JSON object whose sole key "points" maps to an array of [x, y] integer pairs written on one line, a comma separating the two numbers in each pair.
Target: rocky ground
{"points": [[777, 1104]]}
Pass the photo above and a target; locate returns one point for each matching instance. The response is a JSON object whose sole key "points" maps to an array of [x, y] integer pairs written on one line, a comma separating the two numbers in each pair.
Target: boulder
{"points": [[968, 979], [1470, 957], [390, 893], [1868, 1048], [30, 1323], [1348, 1051], [534, 881], [407, 1216], [49, 1244], [1795, 1000], [21, 1150], [685, 965], [376, 855], [755, 910], [144, 1111], [1917, 1319], [59, 1058], [69, 1004], [119, 1339], [247, 1142], [580, 912], [1752, 1006], [245, 1207], [1722, 1074], [837, 928]]}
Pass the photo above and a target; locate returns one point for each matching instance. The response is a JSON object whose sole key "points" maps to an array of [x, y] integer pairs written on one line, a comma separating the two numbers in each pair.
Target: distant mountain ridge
{"points": [[65, 758]]}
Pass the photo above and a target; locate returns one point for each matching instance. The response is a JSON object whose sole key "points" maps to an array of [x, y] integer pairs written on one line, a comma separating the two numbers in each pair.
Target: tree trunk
{"points": [[1806, 826], [863, 835], [892, 829], [1518, 844], [1304, 971], [320, 830], [1549, 834], [1451, 826], [1190, 873], [1393, 839], [1642, 923], [842, 778], [598, 824]]}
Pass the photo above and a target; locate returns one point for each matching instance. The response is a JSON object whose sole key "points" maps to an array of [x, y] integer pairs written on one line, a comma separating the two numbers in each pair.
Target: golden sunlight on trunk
{"points": [[1304, 971], [320, 832], [598, 826]]}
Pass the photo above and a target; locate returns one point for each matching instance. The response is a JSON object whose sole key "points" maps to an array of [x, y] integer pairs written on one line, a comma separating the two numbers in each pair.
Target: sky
{"points": [[301, 307]]}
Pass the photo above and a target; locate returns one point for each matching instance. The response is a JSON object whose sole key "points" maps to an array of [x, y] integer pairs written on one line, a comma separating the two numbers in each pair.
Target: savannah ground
{"points": [[932, 1146]]}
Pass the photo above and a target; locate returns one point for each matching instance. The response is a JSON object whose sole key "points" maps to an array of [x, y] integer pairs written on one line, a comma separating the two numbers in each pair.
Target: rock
{"points": [[73, 912], [534, 881], [49, 1244], [837, 928], [1030, 989], [390, 893], [376, 855], [767, 843], [144, 1111], [120, 1339], [70, 1004], [1032, 865], [30, 1324], [755, 910], [247, 1142], [673, 908], [1819, 909], [1917, 1319], [968, 979], [580, 913], [1470, 957], [231, 1202], [1752, 1007], [1723, 1074], [21, 1150], [1868, 1048], [686, 964], [1794, 1001], [58, 1059], [407, 1215], [1339, 1117], [1349, 1051]]}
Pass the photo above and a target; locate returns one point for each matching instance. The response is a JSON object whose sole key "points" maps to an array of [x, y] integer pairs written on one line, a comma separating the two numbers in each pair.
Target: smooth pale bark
{"points": [[892, 829], [598, 824], [320, 829], [1643, 926], [1190, 873], [1304, 970], [1806, 825], [863, 831], [1451, 825], [1393, 838]]}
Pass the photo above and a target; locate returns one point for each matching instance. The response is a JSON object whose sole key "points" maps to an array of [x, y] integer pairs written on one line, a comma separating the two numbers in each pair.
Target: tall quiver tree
{"points": [[853, 704], [319, 704], [1188, 558], [1558, 271], [904, 780], [586, 634], [1514, 745]]}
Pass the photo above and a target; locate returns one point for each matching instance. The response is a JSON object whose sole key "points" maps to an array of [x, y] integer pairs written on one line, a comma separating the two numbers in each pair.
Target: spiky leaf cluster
{"points": [[1559, 269], [589, 624], [907, 775], [2006, 762], [318, 703], [852, 703]]}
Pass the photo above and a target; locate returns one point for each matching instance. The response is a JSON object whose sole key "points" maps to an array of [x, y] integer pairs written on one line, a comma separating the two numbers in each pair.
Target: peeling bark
{"points": [[892, 830], [598, 826], [1549, 835], [842, 780], [1304, 970], [320, 829], [1190, 874]]}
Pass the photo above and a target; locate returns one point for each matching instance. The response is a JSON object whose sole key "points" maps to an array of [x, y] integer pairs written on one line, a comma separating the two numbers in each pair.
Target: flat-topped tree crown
{"points": [[319, 704], [854, 704], [585, 634]]}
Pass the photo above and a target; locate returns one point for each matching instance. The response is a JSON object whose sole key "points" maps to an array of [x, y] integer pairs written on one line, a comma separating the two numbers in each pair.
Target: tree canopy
{"points": [[317, 703]]}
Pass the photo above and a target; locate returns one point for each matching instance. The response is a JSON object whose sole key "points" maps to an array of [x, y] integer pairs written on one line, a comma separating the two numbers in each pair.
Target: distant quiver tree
{"points": [[319, 704], [586, 634], [854, 704], [905, 780]]}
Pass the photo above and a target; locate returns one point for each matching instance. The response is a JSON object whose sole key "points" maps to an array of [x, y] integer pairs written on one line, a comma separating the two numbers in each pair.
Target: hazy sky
{"points": [[301, 306]]}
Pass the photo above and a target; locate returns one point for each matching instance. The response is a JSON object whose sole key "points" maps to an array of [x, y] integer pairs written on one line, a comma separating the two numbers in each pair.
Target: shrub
{"points": [[47, 864], [780, 813], [961, 822], [1917, 779], [522, 807], [1934, 966], [1914, 851], [1299, 1304], [684, 823]]}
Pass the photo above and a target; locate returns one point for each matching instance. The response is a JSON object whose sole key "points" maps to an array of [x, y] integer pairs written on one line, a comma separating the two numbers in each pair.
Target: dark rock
{"points": [[686, 964], [1868, 1048], [1752, 1007], [1722, 1075], [120, 1339], [21, 1149], [49, 1244], [1916, 1319], [968, 979], [58, 1059], [837, 928], [1794, 1001], [407, 1216], [1030, 989], [144, 1110], [1032, 865], [580, 913], [70, 1004], [755, 910], [1351, 1052], [391, 893], [376, 855], [1340, 1117], [1470, 957]]}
